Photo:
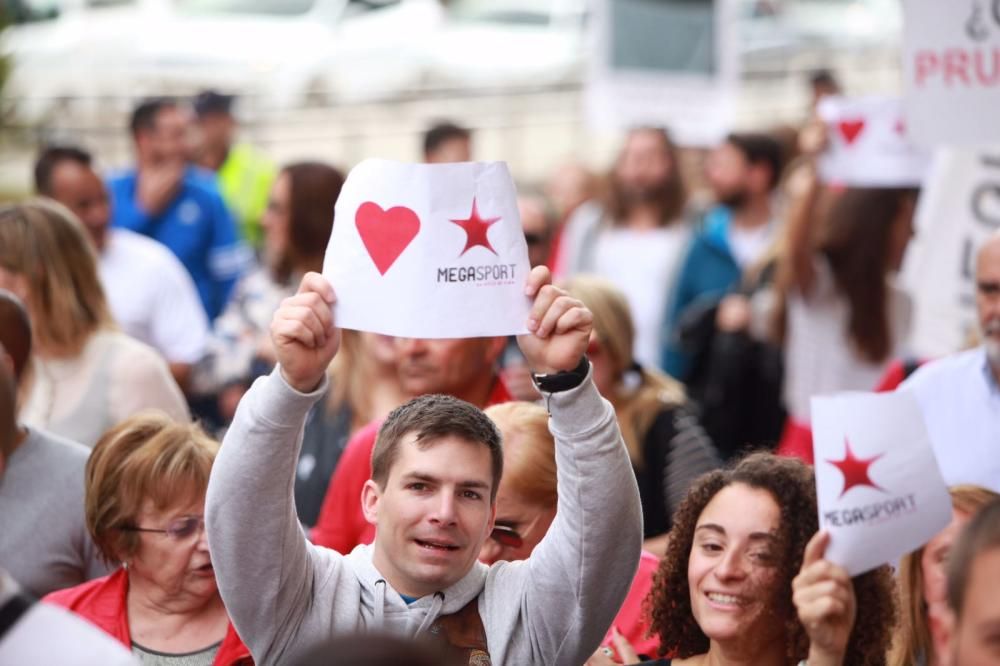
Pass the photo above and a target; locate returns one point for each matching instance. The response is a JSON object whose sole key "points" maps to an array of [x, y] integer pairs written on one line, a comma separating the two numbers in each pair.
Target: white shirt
{"points": [[960, 401], [748, 245], [644, 265], [152, 296]]}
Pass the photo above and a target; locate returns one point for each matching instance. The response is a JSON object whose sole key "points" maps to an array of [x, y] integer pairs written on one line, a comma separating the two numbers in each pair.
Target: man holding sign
{"points": [[432, 499]]}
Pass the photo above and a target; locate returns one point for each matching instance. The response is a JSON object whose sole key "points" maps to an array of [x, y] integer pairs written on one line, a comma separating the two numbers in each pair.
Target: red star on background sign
{"points": [[476, 227], [854, 469]]}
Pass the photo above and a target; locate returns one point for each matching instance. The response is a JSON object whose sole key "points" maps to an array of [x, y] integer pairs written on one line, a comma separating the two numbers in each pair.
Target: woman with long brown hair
{"points": [[843, 317]]}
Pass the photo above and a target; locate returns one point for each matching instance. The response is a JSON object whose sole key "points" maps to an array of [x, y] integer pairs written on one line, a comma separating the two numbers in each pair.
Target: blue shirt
{"points": [[196, 226]]}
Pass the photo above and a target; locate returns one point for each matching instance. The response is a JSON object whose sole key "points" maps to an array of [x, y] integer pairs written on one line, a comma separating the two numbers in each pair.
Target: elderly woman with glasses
{"points": [[145, 500]]}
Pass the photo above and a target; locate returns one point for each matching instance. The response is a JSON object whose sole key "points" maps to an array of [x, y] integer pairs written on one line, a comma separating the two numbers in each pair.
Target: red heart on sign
{"points": [[385, 233], [850, 129]]}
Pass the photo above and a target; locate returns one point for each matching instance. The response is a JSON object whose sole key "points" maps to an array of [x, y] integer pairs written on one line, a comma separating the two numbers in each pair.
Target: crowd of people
{"points": [[630, 482]]}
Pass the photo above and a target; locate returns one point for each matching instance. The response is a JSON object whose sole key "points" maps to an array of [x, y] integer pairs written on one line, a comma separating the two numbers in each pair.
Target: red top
{"points": [[341, 524], [102, 602], [632, 621]]}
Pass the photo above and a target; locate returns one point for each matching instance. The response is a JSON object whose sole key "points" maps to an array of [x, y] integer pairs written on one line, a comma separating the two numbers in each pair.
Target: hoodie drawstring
{"points": [[432, 613], [379, 603]]}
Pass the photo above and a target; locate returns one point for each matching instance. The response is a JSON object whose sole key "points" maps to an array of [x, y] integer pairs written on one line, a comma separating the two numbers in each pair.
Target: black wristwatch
{"points": [[564, 380]]}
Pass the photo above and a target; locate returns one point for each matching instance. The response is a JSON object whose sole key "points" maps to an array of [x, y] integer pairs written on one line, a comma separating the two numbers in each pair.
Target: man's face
{"points": [[975, 637], [453, 366], [988, 297], [215, 131], [433, 514], [80, 189], [728, 173], [169, 140], [644, 167]]}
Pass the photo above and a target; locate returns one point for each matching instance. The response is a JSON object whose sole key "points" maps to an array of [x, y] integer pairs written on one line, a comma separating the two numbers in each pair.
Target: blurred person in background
{"points": [[526, 505], [538, 221], [666, 444], [736, 233], [568, 187], [177, 204], [146, 481], [45, 545], [297, 226], [967, 635], [27, 629], [923, 581], [638, 236], [822, 84], [245, 175], [841, 316], [151, 295], [364, 387], [85, 375], [959, 395], [447, 142]]}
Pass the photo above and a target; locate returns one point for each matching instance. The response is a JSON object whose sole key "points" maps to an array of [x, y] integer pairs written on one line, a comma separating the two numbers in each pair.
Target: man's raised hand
{"points": [[560, 326], [304, 336]]}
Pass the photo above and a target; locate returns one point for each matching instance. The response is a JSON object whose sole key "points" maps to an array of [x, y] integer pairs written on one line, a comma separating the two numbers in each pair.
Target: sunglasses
{"points": [[178, 529], [506, 536]]}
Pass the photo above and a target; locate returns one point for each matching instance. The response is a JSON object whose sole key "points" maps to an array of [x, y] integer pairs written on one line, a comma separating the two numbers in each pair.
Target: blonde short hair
{"points": [[147, 457], [45, 243], [528, 450]]}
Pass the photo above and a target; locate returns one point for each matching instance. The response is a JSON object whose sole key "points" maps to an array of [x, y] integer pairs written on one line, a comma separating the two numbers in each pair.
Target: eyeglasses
{"points": [[178, 529], [506, 535]]}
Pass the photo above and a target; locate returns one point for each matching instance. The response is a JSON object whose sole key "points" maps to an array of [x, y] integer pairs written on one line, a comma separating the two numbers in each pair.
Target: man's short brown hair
{"points": [[981, 534], [431, 417]]}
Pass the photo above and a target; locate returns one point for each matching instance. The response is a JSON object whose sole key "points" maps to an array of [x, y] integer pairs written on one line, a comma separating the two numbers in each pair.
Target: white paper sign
{"points": [[959, 208], [951, 69], [429, 251], [867, 144], [880, 491]]}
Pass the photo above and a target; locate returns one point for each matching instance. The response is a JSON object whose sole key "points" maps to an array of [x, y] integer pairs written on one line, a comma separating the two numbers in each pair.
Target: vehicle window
{"points": [[271, 7], [28, 11], [98, 4], [511, 12]]}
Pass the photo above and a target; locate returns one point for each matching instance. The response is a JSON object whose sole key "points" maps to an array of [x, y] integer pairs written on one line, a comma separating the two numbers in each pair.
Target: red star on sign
{"points": [[475, 228], [854, 469]]}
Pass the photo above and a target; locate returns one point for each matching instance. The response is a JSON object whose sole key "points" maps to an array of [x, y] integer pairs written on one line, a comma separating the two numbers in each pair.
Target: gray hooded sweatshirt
{"points": [[284, 594]]}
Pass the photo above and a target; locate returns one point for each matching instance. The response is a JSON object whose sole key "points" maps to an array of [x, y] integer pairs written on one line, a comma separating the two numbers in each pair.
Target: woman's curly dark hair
{"points": [[792, 485]]}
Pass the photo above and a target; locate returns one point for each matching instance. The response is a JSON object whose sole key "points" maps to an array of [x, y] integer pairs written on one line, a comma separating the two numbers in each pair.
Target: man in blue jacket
{"points": [[736, 233], [177, 204]]}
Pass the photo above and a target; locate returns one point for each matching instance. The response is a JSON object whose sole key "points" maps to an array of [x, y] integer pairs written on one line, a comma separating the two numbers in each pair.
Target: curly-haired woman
{"points": [[725, 594]]}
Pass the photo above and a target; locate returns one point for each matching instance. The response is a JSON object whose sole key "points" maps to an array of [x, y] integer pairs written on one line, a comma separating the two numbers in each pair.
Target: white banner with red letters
{"points": [[878, 485], [429, 251], [951, 70]]}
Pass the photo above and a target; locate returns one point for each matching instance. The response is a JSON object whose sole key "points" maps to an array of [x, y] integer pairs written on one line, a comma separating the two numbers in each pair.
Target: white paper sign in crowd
{"points": [[868, 144], [429, 251], [880, 491], [959, 208], [951, 69]]}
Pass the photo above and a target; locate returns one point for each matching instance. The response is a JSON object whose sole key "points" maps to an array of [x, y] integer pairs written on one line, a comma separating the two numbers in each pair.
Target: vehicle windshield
{"points": [[271, 7], [521, 12]]}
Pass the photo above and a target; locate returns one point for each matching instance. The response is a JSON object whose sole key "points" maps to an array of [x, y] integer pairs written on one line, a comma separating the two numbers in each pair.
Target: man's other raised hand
{"points": [[559, 326], [304, 335]]}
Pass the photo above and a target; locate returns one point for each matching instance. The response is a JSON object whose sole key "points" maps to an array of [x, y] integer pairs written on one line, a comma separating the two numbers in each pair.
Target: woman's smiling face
{"points": [[734, 567]]}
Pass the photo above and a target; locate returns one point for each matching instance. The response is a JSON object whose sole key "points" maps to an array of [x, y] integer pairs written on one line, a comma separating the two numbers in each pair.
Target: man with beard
{"points": [[636, 237], [959, 395], [735, 234]]}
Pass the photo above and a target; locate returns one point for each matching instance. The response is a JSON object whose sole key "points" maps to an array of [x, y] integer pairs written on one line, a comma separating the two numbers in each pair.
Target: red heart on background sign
{"points": [[385, 233], [850, 129]]}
